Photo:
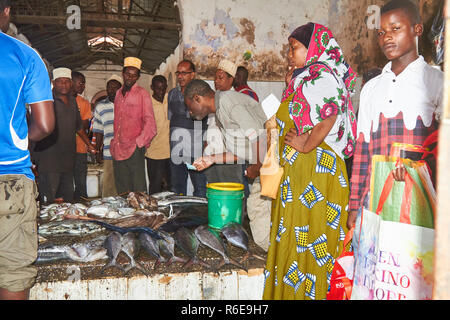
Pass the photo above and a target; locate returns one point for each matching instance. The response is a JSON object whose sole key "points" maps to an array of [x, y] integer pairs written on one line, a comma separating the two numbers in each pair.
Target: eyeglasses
{"points": [[183, 73]]}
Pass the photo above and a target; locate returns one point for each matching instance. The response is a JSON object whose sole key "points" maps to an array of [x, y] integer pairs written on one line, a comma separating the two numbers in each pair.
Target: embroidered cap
{"points": [[115, 77], [132, 62], [228, 66], [62, 73]]}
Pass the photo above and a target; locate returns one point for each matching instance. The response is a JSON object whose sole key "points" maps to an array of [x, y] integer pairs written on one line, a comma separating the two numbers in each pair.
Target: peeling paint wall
{"points": [[214, 30], [228, 29]]}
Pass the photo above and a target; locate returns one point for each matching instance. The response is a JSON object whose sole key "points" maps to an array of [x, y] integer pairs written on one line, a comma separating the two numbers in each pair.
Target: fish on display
{"points": [[131, 247], [113, 245], [167, 248], [141, 200], [50, 253], [187, 241], [68, 227], [177, 200], [163, 195], [210, 239], [151, 246], [60, 211], [86, 251], [123, 230], [235, 234], [188, 217], [142, 218]]}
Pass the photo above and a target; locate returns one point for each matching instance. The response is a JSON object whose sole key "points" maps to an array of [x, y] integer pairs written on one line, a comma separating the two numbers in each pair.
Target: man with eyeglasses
{"points": [[134, 129], [186, 136]]}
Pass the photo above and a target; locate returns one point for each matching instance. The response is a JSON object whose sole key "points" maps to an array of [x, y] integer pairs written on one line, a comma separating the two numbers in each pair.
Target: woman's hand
{"points": [[203, 163], [351, 219], [295, 141]]}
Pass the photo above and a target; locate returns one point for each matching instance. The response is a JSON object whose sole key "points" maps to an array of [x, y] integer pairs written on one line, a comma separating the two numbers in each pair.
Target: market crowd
{"points": [[151, 140]]}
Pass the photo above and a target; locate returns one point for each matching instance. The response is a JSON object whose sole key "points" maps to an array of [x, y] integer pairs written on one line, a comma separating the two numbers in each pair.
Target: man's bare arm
{"points": [[42, 121]]}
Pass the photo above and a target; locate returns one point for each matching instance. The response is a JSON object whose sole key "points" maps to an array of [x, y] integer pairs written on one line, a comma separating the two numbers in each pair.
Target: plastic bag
{"points": [[436, 35]]}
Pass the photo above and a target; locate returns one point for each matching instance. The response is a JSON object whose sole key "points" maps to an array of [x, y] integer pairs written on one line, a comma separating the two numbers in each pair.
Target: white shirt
{"points": [[416, 92]]}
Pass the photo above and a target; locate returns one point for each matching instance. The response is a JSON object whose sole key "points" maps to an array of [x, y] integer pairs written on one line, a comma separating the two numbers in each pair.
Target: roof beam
{"points": [[96, 22]]}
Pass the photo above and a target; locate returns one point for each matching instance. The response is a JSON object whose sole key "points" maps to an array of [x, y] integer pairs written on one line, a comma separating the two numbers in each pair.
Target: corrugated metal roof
{"points": [[147, 29]]}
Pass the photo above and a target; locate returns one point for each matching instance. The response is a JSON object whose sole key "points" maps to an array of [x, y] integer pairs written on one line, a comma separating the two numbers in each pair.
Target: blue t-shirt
{"points": [[23, 79]]}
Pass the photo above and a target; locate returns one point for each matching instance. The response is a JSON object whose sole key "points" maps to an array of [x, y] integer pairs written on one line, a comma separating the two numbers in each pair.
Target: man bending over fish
{"points": [[241, 121]]}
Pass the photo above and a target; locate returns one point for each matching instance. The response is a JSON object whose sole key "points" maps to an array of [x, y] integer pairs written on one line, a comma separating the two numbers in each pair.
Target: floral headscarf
{"points": [[322, 89]]}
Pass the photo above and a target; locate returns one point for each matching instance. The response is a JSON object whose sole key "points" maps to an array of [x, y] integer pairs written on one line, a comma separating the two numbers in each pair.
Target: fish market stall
{"points": [[144, 247]]}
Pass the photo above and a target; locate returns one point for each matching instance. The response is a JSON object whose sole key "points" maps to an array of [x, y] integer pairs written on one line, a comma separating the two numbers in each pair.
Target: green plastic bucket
{"points": [[224, 203]]}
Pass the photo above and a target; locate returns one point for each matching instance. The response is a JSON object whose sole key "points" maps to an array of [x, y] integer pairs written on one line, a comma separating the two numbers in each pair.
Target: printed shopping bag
{"points": [[341, 280], [393, 260], [271, 172], [422, 200]]}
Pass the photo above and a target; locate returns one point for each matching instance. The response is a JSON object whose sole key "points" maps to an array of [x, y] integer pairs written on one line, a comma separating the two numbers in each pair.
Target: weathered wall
{"points": [[228, 29]]}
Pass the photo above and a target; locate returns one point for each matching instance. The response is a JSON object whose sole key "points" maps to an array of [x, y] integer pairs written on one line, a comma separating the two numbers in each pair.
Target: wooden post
{"points": [[441, 287]]}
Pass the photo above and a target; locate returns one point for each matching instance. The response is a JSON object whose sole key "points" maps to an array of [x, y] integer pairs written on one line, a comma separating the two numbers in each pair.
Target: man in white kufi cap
{"points": [[55, 155]]}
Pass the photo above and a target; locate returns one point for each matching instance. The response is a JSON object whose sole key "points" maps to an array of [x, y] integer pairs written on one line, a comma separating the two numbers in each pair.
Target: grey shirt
{"points": [[241, 120]]}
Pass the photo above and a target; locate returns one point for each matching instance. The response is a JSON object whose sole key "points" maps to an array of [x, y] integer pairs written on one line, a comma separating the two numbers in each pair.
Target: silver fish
{"points": [[174, 200], [235, 234], [113, 245], [167, 248], [86, 251], [209, 239], [131, 246], [73, 227], [151, 246], [187, 241], [163, 195]]}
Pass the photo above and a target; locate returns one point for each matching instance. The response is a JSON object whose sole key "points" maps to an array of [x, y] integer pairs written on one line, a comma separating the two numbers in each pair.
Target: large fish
{"points": [[235, 234], [211, 240], [167, 248], [131, 246], [123, 230], [187, 241], [113, 245], [179, 200], [151, 246], [190, 216], [68, 227]]}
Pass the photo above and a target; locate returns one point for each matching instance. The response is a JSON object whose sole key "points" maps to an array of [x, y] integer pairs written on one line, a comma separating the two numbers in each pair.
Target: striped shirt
{"points": [[104, 123]]}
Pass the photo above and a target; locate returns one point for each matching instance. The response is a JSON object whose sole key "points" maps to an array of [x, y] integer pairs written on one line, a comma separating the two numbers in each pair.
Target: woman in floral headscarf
{"points": [[317, 129]]}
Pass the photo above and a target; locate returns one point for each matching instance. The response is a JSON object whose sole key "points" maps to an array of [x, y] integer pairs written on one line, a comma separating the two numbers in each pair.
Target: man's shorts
{"points": [[18, 232]]}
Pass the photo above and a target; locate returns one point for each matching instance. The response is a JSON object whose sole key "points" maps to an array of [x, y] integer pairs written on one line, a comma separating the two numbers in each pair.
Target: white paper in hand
{"points": [[270, 105]]}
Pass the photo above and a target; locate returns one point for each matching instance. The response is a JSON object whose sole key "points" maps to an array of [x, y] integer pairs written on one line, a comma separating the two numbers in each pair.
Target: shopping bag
{"points": [[270, 174], [341, 280], [422, 203], [271, 171], [437, 35], [393, 260]]}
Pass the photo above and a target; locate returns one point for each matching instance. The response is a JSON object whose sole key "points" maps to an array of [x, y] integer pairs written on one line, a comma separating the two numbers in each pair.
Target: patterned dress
{"points": [[308, 223]]}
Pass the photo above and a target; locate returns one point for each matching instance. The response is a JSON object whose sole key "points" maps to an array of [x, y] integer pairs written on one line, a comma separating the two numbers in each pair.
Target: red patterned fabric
{"points": [[323, 89], [390, 130]]}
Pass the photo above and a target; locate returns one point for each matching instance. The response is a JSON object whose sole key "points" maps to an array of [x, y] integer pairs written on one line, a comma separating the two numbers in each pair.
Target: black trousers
{"points": [[129, 174], [52, 185], [80, 175], [158, 171]]}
